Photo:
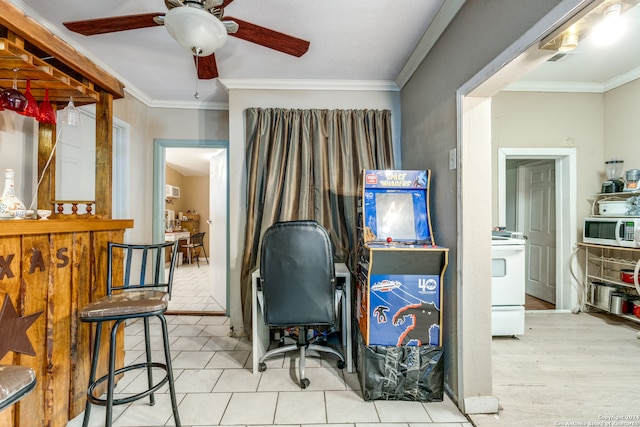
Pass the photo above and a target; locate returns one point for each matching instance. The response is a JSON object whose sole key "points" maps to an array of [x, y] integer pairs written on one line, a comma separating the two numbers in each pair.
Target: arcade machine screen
{"points": [[395, 217], [397, 214]]}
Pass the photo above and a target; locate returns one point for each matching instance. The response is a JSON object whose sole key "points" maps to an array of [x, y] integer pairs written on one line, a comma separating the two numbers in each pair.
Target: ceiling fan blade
{"points": [[269, 38], [226, 3], [91, 27], [207, 67]]}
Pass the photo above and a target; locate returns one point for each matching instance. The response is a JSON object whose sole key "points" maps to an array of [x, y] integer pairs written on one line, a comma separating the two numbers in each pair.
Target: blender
{"points": [[632, 176], [614, 183]]}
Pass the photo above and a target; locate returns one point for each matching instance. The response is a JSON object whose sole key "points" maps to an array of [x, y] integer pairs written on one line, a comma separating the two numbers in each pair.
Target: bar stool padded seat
{"points": [[15, 383], [126, 304]]}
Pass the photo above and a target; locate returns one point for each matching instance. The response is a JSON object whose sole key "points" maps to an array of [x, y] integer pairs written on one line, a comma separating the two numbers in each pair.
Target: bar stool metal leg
{"points": [[92, 374], [147, 348], [167, 356]]}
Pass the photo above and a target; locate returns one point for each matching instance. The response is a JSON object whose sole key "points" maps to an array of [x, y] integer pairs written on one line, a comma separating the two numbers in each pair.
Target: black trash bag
{"points": [[413, 373]]}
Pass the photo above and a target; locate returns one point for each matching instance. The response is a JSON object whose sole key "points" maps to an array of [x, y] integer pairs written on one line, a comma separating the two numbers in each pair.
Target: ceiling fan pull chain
{"points": [[198, 51]]}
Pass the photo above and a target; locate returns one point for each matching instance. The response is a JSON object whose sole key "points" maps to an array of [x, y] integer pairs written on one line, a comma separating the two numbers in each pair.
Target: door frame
{"points": [[159, 179], [566, 223]]}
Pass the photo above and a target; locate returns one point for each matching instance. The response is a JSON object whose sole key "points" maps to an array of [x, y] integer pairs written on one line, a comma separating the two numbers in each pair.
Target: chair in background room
{"points": [[138, 287], [298, 286], [196, 243]]}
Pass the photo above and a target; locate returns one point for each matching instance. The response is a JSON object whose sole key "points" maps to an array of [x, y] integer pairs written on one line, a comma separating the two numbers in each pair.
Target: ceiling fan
{"points": [[211, 12]]}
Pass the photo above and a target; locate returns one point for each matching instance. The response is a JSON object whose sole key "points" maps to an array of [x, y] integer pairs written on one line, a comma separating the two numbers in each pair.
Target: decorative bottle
{"points": [[9, 203]]}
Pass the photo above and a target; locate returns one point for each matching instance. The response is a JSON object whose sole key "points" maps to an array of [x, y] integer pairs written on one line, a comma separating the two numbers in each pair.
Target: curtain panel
{"points": [[305, 164]]}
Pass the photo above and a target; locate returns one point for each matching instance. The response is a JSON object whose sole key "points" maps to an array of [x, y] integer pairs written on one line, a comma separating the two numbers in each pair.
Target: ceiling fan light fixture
{"points": [[196, 30]]}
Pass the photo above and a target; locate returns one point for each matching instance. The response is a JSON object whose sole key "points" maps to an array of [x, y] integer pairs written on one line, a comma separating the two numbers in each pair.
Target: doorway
{"points": [[512, 211], [212, 277]]}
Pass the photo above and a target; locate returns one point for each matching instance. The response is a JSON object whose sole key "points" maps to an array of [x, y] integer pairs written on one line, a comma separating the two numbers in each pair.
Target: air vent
{"points": [[557, 57]]}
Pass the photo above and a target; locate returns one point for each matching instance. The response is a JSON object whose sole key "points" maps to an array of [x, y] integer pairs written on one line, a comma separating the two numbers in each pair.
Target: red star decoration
{"points": [[13, 330]]}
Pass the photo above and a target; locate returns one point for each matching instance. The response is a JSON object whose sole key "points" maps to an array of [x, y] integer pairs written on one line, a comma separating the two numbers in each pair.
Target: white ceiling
{"points": [[591, 67], [350, 40], [191, 161]]}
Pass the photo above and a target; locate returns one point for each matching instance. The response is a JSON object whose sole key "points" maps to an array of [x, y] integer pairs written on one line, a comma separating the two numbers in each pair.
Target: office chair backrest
{"points": [[143, 266], [297, 275]]}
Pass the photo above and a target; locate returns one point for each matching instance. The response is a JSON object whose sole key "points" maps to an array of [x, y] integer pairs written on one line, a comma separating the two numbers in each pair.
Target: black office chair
{"points": [[144, 293], [194, 246], [297, 280]]}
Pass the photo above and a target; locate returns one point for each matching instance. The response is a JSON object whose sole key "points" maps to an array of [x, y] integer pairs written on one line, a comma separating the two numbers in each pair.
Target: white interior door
{"points": [[537, 220]]}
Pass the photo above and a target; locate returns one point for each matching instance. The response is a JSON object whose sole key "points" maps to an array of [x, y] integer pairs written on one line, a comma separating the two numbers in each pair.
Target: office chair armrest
{"points": [[260, 295]]}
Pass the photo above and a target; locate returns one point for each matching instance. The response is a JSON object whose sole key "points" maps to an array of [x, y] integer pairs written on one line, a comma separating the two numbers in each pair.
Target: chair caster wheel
{"points": [[304, 383], [262, 367], [340, 364]]}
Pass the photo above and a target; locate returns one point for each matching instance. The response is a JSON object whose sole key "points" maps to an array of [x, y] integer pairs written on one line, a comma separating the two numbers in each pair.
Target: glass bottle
{"points": [[9, 202]]}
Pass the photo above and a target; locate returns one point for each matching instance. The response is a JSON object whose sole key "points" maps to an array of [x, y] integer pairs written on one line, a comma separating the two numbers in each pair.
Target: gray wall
{"points": [[479, 33]]}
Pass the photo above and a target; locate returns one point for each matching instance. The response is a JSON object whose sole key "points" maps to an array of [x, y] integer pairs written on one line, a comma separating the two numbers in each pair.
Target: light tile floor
{"points": [[192, 290], [215, 387]]}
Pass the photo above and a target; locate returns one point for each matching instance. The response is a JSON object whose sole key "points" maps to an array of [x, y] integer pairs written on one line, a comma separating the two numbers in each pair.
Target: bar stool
{"points": [[132, 299], [15, 383]]}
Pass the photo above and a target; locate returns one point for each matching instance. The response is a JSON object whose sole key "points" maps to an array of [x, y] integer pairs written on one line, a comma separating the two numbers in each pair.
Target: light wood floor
{"points": [[533, 303], [566, 368]]}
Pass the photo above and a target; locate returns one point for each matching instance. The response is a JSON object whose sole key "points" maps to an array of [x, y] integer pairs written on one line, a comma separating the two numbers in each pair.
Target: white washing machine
{"points": [[507, 285]]}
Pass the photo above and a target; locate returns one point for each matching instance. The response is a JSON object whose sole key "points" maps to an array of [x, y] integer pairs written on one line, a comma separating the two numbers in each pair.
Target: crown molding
{"points": [[540, 86], [188, 105], [531, 86], [296, 84], [445, 15], [622, 79]]}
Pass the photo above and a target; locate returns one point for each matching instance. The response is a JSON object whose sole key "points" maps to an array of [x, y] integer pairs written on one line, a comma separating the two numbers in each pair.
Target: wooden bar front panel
{"points": [[56, 274]]}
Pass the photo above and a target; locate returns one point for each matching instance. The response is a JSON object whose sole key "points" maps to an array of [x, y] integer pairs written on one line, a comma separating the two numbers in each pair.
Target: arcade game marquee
{"points": [[400, 268]]}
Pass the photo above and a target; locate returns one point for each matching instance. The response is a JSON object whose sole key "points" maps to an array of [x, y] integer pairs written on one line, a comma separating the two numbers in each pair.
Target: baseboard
{"points": [[481, 405]]}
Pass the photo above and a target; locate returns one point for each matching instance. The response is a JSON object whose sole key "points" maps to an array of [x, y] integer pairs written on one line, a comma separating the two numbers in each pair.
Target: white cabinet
{"points": [[603, 265]]}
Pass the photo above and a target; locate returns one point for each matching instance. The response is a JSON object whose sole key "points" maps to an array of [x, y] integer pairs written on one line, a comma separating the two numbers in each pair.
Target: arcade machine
{"points": [[398, 301]]}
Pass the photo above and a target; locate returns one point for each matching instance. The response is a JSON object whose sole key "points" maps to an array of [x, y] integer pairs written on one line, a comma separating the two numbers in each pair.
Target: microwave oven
{"points": [[612, 231]]}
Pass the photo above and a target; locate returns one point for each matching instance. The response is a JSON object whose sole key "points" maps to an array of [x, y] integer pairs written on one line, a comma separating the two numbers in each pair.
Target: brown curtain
{"points": [[305, 164]]}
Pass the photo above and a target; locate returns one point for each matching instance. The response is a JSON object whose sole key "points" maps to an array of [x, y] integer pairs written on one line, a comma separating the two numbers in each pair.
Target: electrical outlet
{"points": [[452, 159]]}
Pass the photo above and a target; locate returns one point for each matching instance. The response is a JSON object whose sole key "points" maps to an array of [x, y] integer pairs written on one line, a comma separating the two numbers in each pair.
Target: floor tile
{"points": [[401, 411], [251, 408], [444, 412], [325, 379], [223, 343], [190, 343], [140, 413], [294, 407], [229, 359], [192, 359], [237, 380], [279, 379], [197, 380], [348, 407], [203, 409]]}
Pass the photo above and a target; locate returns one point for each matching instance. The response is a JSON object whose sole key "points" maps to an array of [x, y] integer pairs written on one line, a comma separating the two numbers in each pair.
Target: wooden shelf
{"points": [[49, 61], [42, 75]]}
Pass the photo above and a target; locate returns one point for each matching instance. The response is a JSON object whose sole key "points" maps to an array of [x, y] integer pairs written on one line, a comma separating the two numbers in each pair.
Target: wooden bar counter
{"points": [[55, 267]]}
